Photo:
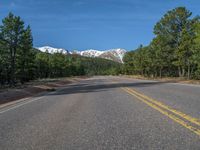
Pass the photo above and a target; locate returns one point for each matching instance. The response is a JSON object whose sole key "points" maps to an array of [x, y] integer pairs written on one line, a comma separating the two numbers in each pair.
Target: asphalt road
{"points": [[106, 113]]}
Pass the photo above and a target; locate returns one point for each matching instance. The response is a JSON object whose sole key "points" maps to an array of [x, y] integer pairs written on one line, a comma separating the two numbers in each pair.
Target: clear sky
{"points": [[93, 24]]}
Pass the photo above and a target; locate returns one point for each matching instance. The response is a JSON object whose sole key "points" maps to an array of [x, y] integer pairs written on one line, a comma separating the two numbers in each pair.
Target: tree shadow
{"points": [[88, 88]]}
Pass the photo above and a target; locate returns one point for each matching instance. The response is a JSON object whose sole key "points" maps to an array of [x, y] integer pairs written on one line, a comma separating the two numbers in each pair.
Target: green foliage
{"points": [[99, 66], [4, 63], [60, 65], [25, 57], [195, 58], [129, 64], [11, 33], [175, 51], [20, 62]]}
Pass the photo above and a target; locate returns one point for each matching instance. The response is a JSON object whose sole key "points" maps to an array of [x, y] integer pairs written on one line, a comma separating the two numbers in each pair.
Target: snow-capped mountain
{"points": [[52, 50], [89, 53], [112, 54]]}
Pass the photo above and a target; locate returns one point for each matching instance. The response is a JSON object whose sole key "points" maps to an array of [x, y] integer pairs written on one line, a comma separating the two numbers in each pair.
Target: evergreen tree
{"points": [[43, 65], [175, 51], [4, 63], [174, 27], [26, 56], [11, 33]]}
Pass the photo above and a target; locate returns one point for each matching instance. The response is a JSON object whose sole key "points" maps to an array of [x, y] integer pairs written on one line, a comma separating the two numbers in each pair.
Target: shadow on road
{"points": [[88, 87]]}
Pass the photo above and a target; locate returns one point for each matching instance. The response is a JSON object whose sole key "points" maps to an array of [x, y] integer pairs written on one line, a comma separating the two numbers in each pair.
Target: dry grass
{"points": [[33, 88], [166, 79]]}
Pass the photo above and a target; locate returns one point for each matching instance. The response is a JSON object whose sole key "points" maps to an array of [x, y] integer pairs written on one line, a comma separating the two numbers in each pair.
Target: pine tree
{"points": [[26, 56], [4, 64], [11, 33], [175, 27]]}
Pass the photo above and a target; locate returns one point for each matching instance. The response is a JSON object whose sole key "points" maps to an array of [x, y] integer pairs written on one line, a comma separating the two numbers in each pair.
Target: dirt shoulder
{"points": [[34, 88], [171, 80]]}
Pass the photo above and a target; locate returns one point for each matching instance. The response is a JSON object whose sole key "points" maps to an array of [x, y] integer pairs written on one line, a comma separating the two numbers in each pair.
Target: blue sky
{"points": [[93, 24]]}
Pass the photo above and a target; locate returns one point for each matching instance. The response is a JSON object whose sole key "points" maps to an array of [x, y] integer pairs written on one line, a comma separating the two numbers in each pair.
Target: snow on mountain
{"points": [[53, 50], [117, 53], [89, 53], [112, 54]]}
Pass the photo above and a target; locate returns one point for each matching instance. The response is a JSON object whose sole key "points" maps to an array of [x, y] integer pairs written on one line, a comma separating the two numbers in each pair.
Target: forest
{"points": [[20, 62], [173, 52]]}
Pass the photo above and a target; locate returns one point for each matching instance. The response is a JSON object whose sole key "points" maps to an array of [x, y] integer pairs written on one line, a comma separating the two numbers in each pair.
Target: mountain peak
{"points": [[111, 54], [53, 50]]}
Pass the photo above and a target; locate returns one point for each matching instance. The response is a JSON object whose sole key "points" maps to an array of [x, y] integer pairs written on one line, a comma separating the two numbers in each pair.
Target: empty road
{"points": [[106, 113]]}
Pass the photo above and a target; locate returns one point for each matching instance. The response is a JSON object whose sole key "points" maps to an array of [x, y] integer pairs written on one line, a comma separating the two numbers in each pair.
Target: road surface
{"points": [[105, 113]]}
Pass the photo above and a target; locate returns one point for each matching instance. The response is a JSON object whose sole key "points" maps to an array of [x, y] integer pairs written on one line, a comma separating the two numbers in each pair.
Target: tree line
{"points": [[175, 50], [60, 65], [20, 62]]}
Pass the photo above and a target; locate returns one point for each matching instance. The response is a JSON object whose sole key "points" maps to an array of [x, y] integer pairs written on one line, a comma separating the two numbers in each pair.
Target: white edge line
{"points": [[14, 107], [26, 102]]}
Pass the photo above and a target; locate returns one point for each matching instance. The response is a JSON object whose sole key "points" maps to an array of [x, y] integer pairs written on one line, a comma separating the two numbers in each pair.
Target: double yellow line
{"points": [[193, 124]]}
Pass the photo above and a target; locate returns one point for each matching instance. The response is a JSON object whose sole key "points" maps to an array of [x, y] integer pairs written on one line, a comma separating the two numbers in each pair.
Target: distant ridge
{"points": [[52, 50], [111, 54]]}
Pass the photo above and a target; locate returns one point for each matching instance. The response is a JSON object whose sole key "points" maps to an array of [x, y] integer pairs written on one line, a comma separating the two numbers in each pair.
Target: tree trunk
{"points": [[160, 72], [183, 72], [13, 60], [179, 71], [188, 72], [23, 74]]}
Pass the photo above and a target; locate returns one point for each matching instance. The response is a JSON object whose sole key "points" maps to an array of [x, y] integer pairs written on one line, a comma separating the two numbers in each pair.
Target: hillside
{"points": [[112, 54]]}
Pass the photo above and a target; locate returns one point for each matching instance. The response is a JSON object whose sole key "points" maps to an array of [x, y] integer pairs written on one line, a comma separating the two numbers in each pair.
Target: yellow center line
{"points": [[164, 112], [187, 117]]}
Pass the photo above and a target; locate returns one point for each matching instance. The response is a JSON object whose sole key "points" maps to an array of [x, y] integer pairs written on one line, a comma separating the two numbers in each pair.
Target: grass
{"points": [[166, 79]]}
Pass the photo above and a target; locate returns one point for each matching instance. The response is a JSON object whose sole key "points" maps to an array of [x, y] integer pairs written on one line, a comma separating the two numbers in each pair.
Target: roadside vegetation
{"points": [[20, 62], [174, 52]]}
